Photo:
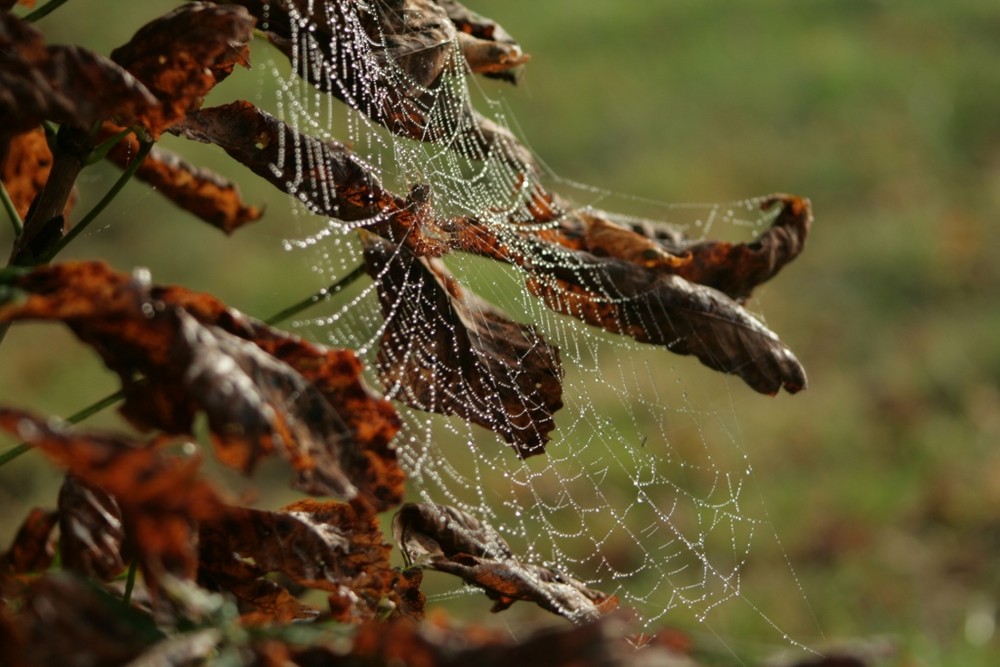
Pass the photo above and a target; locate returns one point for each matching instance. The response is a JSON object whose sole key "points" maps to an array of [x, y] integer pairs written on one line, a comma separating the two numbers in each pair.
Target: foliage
{"points": [[284, 409]]}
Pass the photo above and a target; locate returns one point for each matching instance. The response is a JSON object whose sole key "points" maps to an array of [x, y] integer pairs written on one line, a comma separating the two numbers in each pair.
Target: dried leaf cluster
{"points": [[212, 570]]}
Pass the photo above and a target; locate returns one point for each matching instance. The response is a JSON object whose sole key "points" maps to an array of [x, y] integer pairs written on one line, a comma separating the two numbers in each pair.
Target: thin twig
{"points": [[8, 204], [44, 10]]}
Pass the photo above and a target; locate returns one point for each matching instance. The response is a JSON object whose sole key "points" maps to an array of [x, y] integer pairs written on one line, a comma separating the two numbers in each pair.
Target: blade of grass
{"points": [[8, 205], [130, 582], [44, 10]]}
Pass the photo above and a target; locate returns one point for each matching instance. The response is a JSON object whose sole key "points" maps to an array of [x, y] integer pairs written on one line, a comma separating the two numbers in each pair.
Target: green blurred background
{"points": [[883, 479]]}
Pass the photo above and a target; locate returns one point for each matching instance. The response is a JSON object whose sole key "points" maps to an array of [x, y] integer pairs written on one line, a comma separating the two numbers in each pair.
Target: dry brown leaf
{"points": [[487, 47], [25, 169], [32, 549], [732, 268], [325, 546], [198, 191], [181, 55], [161, 497], [449, 540], [445, 350], [91, 533], [173, 365], [366, 454], [264, 602], [62, 84], [325, 175], [663, 309], [412, 45], [67, 621]]}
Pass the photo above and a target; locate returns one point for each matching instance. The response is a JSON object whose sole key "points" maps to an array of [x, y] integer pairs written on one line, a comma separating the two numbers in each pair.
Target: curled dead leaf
{"points": [[161, 497], [62, 84], [25, 169], [445, 350], [400, 82], [450, 540], [627, 298], [178, 353], [32, 549], [198, 191], [91, 532], [325, 546], [181, 55]]}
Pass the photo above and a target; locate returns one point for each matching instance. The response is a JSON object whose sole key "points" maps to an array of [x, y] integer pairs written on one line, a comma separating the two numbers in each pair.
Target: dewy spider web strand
{"points": [[641, 491]]}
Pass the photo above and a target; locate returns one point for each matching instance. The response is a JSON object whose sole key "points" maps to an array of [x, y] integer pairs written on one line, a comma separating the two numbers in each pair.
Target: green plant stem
{"points": [[140, 156], [44, 10], [8, 205], [13, 453], [130, 582], [318, 297]]}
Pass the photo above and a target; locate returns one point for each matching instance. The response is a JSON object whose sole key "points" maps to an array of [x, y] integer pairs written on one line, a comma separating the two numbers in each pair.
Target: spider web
{"points": [[645, 490]]}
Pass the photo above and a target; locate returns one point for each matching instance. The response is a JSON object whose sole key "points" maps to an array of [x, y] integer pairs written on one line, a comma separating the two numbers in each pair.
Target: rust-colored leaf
{"points": [[181, 55], [445, 350], [662, 309], [264, 602], [91, 533], [63, 84], [487, 47], [366, 454], [172, 365], [732, 268], [603, 643], [325, 546], [32, 549], [449, 540], [160, 496], [396, 79], [198, 191], [325, 175], [25, 169], [67, 621]]}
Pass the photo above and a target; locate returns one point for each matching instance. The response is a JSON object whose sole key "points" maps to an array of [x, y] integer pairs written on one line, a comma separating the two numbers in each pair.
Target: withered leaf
{"points": [[91, 534], [398, 82], [63, 84], [367, 455], [25, 169], [449, 540], [32, 549], [198, 191], [732, 268], [487, 47], [325, 546], [604, 643], [160, 496], [445, 350], [181, 55], [264, 602], [663, 309], [325, 175], [173, 365], [67, 621]]}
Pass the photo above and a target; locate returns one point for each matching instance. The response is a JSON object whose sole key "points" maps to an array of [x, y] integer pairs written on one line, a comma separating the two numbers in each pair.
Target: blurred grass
{"points": [[883, 479]]}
